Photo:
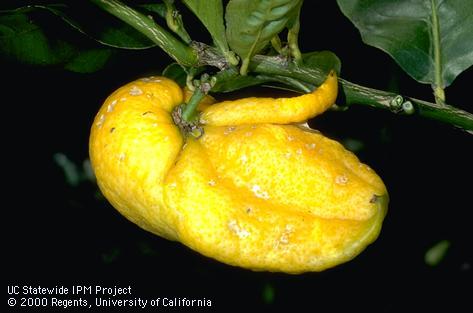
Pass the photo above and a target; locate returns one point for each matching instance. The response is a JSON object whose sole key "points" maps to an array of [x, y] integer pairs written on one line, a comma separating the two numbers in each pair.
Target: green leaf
{"points": [[105, 28], [323, 60], [35, 39], [230, 80], [239, 82], [26, 38], [430, 39], [210, 13], [115, 24], [23, 39], [176, 72], [252, 23], [30, 44], [89, 61], [121, 36]]}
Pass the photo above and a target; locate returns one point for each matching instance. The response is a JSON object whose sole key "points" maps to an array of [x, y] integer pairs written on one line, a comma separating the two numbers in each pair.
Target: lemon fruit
{"points": [[255, 190]]}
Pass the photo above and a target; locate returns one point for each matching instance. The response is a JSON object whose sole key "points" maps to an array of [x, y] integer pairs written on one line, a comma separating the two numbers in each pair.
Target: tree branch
{"points": [[296, 75], [356, 94]]}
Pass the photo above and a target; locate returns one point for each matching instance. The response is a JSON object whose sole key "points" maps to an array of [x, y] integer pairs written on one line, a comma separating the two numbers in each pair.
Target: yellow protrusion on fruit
{"points": [[253, 191], [273, 110]]}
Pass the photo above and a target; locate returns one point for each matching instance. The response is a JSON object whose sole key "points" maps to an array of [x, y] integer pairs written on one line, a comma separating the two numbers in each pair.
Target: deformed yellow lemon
{"points": [[254, 191]]}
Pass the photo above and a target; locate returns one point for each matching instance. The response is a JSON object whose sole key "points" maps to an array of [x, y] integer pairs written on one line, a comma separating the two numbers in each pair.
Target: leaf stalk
{"points": [[439, 91]]}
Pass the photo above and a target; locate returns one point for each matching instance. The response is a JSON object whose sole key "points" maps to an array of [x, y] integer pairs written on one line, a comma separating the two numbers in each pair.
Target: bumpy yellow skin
{"points": [[253, 191]]}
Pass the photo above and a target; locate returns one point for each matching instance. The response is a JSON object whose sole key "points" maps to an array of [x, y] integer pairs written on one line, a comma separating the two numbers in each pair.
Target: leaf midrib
{"points": [[259, 31], [436, 44]]}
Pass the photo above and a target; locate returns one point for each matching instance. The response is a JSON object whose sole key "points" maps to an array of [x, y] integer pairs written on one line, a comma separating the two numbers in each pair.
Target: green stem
{"points": [[276, 44], [439, 92], [174, 21], [293, 39], [190, 109], [355, 94], [244, 66], [180, 52]]}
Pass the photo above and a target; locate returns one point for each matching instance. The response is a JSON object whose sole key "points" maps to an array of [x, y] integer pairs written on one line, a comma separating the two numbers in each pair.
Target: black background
{"points": [[57, 234]]}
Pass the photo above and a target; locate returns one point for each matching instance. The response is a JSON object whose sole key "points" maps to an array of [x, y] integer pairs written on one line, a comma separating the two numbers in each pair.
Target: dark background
{"points": [[58, 234]]}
